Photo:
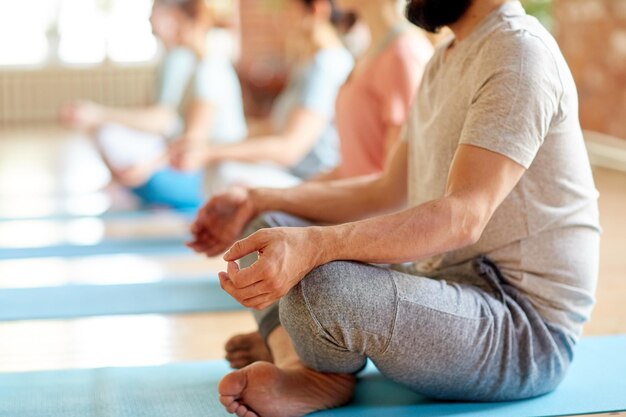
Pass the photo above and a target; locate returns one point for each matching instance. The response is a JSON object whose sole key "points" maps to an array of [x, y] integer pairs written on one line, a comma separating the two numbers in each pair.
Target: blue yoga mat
{"points": [[108, 247], [596, 383], [68, 301], [107, 215]]}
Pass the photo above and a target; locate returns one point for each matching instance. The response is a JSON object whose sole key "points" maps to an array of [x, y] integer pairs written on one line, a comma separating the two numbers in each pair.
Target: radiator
{"points": [[30, 96]]}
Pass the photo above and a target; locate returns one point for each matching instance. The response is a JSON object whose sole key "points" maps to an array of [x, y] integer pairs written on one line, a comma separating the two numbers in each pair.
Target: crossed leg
{"points": [[286, 388], [440, 338]]}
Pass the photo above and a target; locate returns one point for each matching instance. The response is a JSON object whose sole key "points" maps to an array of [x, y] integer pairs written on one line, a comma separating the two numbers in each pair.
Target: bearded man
{"points": [[464, 272]]}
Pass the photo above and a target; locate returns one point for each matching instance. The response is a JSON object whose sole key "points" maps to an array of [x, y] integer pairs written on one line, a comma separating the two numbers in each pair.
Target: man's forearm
{"points": [[331, 202], [420, 232]]}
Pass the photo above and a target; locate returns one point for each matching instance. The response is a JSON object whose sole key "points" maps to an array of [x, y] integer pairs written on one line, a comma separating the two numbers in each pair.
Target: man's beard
{"points": [[432, 15]]}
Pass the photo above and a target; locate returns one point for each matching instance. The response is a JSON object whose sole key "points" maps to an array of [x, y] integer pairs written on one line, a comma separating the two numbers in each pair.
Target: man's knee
{"points": [[303, 309], [321, 290], [336, 298]]}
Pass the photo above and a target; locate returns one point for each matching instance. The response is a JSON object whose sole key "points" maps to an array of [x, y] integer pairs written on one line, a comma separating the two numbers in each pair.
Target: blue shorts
{"points": [[172, 188]]}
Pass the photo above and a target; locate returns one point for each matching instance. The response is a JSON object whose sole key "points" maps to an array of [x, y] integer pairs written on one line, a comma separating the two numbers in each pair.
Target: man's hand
{"points": [[221, 221], [285, 256]]}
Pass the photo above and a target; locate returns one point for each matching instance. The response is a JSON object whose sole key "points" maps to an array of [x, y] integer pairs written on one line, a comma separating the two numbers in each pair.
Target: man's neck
{"points": [[477, 12]]}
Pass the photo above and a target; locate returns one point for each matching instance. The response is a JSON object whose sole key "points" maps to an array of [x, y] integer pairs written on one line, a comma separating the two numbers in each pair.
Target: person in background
{"points": [[374, 103], [300, 140], [370, 108], [198, 100]]}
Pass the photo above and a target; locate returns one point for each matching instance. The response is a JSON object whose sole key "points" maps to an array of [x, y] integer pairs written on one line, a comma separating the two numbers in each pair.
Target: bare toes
{"points": [[233, 407], [250, 413], [241, 410], [239, 364], [237, 343], [238, 355], [229, 402]]}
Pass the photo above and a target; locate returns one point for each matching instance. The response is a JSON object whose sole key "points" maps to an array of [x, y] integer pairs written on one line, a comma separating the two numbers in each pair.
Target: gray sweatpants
{"points": [[465, 335]]}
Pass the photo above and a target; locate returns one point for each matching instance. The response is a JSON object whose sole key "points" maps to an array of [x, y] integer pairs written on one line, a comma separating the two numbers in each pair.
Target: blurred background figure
{"points": [[370, 108], [198, 99], [374, 103], [299, 139]]}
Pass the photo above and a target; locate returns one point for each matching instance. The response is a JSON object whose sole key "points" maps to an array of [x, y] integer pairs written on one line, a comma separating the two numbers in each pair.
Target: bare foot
{"points": [[264, 390], [244, 349]]}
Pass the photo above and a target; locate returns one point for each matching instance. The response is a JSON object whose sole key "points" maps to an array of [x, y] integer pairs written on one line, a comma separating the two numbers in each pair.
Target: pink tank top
{"points": [[377, 98]]}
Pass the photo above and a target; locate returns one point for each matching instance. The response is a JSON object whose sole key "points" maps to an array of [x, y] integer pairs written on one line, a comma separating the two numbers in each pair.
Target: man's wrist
{"points": [[260, 200], [328, 241]]}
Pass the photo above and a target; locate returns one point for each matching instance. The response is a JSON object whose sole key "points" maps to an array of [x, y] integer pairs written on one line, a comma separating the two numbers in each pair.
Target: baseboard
{"points": [[606, 151]]}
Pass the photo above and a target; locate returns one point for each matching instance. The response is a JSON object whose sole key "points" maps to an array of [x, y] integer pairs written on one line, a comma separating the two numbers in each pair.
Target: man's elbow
{"points": [[471, 227], [472, 234]]}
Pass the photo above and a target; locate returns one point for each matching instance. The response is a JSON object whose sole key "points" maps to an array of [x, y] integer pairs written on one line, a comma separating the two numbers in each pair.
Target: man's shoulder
{"points": [[519, 43]]}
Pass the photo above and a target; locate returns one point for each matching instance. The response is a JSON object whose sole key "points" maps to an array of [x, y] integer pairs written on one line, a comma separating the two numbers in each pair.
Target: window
{"points": [[23, 31], [75, 31]]}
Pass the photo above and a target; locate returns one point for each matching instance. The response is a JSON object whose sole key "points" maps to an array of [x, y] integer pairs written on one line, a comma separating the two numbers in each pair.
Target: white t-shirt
{"points": [[508, 89]]}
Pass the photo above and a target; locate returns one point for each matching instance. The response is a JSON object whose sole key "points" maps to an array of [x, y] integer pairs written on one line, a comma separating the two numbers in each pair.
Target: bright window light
{"points": [[129, 34], [81, 30], [75, 31], [23, 28]]}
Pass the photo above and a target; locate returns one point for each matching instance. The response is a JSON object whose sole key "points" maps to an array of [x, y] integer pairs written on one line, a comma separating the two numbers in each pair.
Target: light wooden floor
{"points": [[47, 168]]}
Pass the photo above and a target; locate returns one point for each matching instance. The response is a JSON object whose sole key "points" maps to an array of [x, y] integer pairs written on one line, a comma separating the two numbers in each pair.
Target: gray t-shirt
{"points": [[508, 89]]}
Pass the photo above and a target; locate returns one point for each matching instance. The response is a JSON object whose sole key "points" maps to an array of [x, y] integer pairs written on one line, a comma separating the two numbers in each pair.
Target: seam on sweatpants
{"points": [[395, 313], [447, 313], [320, 328]]}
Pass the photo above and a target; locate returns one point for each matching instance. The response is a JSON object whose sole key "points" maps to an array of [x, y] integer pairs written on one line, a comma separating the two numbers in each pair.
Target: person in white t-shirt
{"points": [[198, 100]]}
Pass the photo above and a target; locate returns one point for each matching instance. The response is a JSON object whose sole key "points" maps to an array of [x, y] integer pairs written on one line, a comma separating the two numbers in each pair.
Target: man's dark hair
{"points": [[432, 15]]}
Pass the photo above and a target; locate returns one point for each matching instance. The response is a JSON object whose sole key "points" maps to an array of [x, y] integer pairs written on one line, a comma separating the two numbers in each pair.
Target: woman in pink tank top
{"points": [[374, 103]]}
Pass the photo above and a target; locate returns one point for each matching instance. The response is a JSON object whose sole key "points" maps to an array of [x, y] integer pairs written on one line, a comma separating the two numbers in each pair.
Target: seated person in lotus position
{"points": [[370, 107], [487, 209], [198, 100]]}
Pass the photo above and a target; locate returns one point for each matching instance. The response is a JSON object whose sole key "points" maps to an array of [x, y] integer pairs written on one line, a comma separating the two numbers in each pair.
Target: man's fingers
{"points": [[252, 291], [226, 283], [232, 268], [244, 247], [244, 278], [249, 296], [261, 301]]}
